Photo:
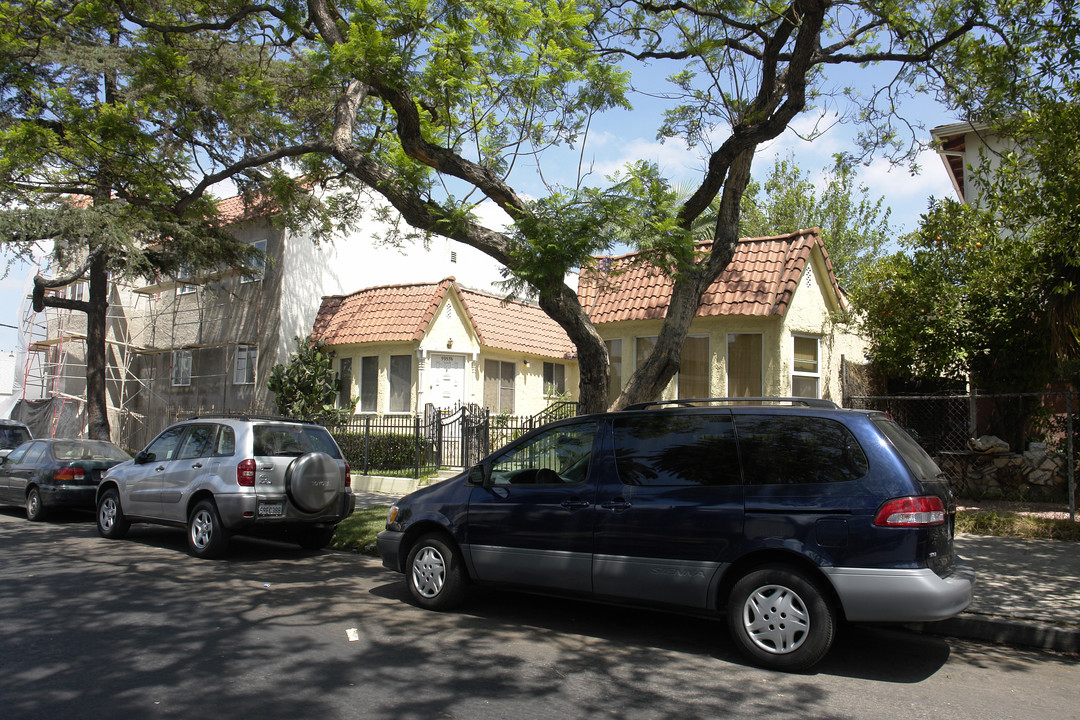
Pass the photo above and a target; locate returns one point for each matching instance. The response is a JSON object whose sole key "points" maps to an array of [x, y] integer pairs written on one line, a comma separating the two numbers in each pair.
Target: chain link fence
{"points": [[1016, 446]]}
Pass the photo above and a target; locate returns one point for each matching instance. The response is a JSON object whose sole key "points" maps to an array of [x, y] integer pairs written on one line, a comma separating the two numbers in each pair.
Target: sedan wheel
{"points": [[35, 509]]}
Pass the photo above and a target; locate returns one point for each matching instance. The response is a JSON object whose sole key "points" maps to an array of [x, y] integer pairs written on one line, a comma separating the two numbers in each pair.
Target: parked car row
{"points": [[213, 476], [784, 515]]}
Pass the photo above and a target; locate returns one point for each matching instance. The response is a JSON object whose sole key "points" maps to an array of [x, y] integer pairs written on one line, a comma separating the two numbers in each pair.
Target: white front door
{"points": [[447, 380]]}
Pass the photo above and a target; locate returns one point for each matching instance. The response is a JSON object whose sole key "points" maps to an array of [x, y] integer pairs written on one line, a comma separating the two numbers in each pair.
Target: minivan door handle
{"points": [[616, 504], [575, 504]]}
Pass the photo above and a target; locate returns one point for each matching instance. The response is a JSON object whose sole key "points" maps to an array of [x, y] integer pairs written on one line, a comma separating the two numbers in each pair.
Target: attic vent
{"points": [[453, 256]]}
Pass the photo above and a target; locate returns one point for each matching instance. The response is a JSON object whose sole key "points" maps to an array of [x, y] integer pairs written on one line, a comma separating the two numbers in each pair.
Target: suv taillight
{"points": [[70, 473], [348, 475], [245, 473], [922, 511]]}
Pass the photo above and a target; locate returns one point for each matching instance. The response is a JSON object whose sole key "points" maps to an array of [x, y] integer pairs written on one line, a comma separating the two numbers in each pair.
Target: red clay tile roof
{"points": [[402, 313], [760, 280], [233, 209]]}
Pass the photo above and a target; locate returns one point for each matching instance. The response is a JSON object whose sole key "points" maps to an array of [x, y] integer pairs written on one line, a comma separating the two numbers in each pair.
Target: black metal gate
{"points": [[460, 434]]}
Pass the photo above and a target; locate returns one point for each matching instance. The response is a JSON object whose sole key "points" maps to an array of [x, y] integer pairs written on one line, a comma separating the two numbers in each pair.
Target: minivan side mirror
{"points": [[477, 475]]}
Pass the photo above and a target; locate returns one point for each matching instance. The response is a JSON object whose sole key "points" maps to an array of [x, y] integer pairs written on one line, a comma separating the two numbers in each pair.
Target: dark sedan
{"points": [[44, 474]]}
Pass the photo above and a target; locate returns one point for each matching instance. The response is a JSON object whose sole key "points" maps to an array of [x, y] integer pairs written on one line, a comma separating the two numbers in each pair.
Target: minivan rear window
{"points": [[674, 449], [798, 449], [918, 461]]}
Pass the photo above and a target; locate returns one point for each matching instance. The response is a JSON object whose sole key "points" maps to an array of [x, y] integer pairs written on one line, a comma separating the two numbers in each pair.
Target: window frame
{"points": [[260, 265], [250, 355], [184, 378], [500, 387], [557, 386], [395, 396], [816, 375], [761, 370]]}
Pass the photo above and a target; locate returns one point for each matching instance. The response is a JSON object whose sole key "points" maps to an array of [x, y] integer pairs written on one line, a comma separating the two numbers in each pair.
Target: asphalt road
{"points": [[137, 628]]}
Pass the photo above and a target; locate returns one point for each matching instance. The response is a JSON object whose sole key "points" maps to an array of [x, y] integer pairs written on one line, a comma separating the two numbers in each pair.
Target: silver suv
{"points": [[218, 476]]}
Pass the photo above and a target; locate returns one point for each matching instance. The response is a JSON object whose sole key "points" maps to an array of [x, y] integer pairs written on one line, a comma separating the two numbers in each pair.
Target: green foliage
{"points": [[307, 386], [958, 302], [854, 227], [386, 451]]}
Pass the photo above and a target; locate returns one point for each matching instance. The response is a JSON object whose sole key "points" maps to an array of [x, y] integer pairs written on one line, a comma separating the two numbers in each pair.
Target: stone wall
{"points": [[1038, 474]]}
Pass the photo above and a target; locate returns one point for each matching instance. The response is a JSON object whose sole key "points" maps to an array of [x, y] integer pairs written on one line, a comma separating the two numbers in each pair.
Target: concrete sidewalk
{"points": [[1027, 592]]}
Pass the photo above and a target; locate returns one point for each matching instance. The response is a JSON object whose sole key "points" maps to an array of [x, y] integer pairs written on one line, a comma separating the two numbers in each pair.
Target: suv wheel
{"points": [[435, 573], [781, 618], [314, 538], [35, 509], [111, 522], [207, 537]]}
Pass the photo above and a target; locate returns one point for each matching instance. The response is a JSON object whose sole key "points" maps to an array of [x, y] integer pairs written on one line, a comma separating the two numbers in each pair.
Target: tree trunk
{"points": [[562, 306], [97, 407]]}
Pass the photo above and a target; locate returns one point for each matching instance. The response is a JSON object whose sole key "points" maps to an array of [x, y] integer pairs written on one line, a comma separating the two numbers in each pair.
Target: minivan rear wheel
{"points": [[435, 573], [781, 618]]}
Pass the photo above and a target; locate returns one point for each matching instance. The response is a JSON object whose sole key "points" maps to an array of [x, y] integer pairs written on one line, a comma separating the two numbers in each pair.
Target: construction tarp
{"points": [[52, 417]]}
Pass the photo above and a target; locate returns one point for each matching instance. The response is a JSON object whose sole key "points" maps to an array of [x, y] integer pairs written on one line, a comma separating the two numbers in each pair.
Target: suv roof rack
{"points": [[247, 416], [697, 402]]}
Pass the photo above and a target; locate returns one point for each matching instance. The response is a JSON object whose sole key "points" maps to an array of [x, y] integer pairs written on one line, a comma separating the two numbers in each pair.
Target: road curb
{"points": [[1005, 631]]}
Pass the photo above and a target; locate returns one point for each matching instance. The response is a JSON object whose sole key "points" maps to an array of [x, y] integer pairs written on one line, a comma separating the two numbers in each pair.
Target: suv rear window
{"points": [[679, 450], [279, 440], [798, 449]]}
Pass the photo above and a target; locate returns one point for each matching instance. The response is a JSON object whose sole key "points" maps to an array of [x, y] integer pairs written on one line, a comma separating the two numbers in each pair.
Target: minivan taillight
{"points": [[73, 474], [245, 473], [348, 475], [924, 511]]}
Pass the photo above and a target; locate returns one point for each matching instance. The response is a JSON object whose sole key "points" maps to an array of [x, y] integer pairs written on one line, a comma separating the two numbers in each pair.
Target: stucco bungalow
{"points": [[767, 326], [399, 348]]}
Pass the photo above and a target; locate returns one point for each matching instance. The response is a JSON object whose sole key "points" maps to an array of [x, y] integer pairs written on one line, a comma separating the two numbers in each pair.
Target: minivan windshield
{"points": [[917, 459]]}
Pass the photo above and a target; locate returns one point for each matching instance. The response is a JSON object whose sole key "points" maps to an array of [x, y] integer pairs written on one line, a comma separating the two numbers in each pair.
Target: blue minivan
{"points": [[785, 514]]}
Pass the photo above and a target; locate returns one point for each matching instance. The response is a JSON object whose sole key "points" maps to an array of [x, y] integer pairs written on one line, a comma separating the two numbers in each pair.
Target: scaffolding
{"points": [[146, 324]]}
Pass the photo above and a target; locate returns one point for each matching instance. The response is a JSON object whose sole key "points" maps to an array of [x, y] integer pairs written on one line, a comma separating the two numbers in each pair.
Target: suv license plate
{"points": [[272, 509]]}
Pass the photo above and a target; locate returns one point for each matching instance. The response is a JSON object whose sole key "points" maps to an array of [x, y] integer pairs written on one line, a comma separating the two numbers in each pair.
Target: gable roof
{"points": [[760, 281], [403, 313]]}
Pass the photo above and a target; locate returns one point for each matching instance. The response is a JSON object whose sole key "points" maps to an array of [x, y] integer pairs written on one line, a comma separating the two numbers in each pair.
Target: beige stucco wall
{"points": [[809, 313], [451, 333]]}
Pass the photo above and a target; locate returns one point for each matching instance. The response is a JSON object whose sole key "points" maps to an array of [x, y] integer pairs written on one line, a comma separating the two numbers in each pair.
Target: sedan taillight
{"points": [[245, 473], [924, 511], [71, 474]]}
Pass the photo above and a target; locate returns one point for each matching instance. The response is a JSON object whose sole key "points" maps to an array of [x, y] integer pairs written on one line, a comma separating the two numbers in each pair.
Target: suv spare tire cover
{"points": [[313, 481]]}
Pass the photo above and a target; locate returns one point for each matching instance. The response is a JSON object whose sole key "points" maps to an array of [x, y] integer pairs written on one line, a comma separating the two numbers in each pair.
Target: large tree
{"points": [[437, 102], [440, 105], [854, 226], [110, 135]]}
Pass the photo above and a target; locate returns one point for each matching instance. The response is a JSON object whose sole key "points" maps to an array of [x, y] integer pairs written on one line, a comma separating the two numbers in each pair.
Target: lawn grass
{"points": [[1015, 525], [357, 532]]}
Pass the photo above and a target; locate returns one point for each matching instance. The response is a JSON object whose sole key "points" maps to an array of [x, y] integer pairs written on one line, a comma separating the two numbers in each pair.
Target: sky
{"points": [[629, 136]]}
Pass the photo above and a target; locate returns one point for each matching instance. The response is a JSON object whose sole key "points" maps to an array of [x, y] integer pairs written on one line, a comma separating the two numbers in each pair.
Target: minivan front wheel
{"points": [[207, 537], [435, 573], [781, 618]]}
